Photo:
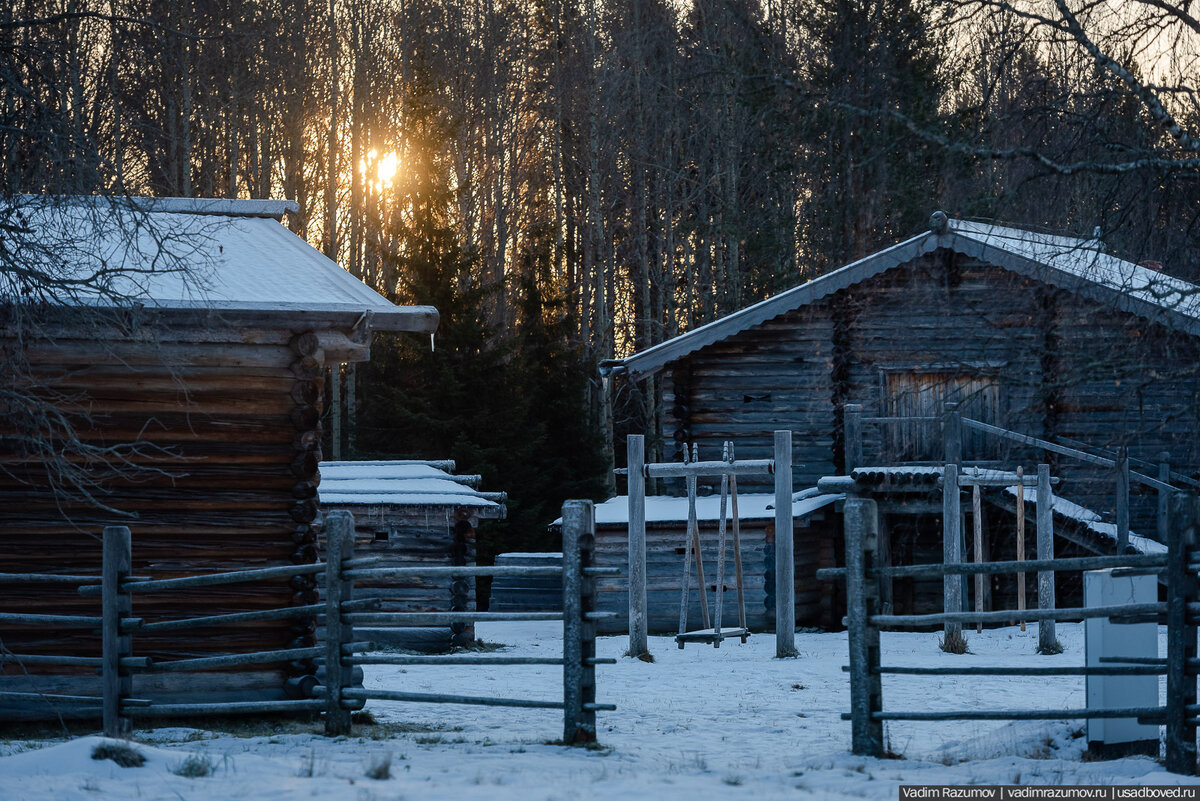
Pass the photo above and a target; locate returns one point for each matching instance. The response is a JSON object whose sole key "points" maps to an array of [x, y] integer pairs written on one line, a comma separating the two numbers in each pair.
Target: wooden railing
{"points": [[953, 424], [864, 622], [336, 688]]}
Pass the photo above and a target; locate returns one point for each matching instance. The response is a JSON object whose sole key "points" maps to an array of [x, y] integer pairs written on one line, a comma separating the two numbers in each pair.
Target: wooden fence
{"points": [[336, 686], [953, 426], [864, 621]]}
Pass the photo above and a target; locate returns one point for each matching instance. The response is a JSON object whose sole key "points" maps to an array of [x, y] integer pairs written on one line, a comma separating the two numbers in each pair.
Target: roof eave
{"points": [[654, 359], [1064, 279]]}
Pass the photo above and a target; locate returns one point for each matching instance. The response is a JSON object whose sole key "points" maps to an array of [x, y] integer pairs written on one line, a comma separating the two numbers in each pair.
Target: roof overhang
{"points": [[1154, 297]]}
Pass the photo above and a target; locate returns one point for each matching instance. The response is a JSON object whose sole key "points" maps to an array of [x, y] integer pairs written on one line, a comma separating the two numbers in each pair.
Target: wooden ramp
{"points": [[1073, 522]]}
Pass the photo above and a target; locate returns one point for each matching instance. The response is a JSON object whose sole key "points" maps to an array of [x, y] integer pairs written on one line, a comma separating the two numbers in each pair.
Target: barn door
{"points": [[924, 393]]}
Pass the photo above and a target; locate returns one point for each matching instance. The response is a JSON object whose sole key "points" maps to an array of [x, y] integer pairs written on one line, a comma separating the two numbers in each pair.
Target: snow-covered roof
{"points": [[1091, 521], [194, 253], [403, 483], [670, 509], [1076, 265]]}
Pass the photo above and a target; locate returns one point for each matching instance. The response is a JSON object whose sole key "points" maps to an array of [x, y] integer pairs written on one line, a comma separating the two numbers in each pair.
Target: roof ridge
{"points": [[223, 207]]}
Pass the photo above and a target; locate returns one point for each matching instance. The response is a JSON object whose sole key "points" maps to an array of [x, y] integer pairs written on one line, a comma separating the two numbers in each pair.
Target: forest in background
{"points": [[570, 181]]}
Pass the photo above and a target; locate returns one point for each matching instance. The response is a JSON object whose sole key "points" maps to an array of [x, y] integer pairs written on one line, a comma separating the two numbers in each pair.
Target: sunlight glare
{"points": [[388, 166]]}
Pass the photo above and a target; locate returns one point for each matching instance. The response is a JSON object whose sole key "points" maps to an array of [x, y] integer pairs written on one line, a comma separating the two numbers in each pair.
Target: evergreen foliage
{"points": [[506, 404]]}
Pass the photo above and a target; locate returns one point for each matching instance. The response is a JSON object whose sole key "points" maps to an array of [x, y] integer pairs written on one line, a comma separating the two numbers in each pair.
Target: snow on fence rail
{"points": [[336, 688], [1180, 614]]}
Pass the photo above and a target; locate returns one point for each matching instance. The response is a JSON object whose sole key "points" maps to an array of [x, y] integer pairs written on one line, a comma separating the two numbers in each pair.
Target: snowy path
{"points": [[698, 723]]}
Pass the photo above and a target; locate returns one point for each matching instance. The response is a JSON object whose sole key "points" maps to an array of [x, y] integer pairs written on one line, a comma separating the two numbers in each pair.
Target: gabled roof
{"points": [[404, 483], [194, 254], [1076, 265]]}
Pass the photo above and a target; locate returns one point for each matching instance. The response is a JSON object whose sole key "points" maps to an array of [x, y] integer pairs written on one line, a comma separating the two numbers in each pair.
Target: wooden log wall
{"points": [[1063, 365], [227, 481], [775, 375], [418, 536]]}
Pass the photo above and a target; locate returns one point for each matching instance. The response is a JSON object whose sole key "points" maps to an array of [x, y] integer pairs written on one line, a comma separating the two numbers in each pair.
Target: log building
{"points": [[1043, 335], [413, 514], [207, 383]]}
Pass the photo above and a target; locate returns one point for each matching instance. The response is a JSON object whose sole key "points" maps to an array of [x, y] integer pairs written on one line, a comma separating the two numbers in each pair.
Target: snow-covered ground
{"points": [[698, 723]]}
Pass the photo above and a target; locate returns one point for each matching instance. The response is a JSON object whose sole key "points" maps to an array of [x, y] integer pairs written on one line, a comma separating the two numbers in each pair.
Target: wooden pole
{"points": [[952, 433], [1164, 497], [351, 408], [951, 554], [579, 633], [1047, 641], [977, 525], [116, 603], [1181, 637], [335, 409], [690, 540], [1021, 541], [1122, 499], [719, 588], [737, 556], [785, 566], [866, 693], [852, 443], [636, 460], [339, 547]]}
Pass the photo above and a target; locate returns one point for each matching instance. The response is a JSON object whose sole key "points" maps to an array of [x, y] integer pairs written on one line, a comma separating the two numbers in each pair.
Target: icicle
{"points": [[431, 346]]}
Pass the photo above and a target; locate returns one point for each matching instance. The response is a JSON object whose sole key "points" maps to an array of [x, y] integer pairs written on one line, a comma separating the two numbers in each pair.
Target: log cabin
{"points": [[412, 514], [1044, 335], [200, 377]]}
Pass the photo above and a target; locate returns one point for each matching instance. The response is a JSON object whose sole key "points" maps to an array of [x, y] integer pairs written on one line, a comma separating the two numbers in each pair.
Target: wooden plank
{"points": [[785, 580], [339, 538], [636, 460], [1181, 638], [860, 516], [116, 605], [1047, 641], [1021, 542], [977, 529], [951, 538]]}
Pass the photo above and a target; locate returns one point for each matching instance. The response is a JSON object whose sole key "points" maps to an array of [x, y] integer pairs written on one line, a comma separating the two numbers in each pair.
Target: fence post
{"points": [[952, 433], [1122, 499], [116, 603], [951, 549], [852, 443], [785, 564], [339, 546], [635, 448], [1181, 636], [1164, 497], [579, 633], [1047, 641], [862, 601]]}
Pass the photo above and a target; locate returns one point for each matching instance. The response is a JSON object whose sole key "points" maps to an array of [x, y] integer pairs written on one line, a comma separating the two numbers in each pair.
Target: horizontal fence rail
{"points": [[864, 578], [336, 687]]}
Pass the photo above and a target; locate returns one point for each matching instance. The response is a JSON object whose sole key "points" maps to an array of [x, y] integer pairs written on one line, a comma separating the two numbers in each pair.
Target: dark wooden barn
{"points": [[1044, 335], [217, 375]]}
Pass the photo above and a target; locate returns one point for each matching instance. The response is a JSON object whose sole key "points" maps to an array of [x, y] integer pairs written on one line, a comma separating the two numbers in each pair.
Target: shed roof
{"points": [[198, 254], [403, 483], [1076, 265], [671, 509]]}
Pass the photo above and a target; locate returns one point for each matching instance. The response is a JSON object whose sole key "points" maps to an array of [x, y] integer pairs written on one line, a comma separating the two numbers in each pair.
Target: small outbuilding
{"points": [[194, 361], [413, 514]]}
